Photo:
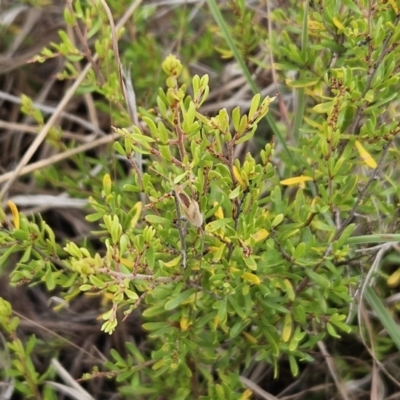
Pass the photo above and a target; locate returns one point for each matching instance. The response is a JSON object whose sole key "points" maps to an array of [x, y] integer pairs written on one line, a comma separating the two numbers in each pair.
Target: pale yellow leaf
{"points": [[174, 262], [260, 235], [366, 157], [15, 213], [296, 180], [287, 327], [394, 6], [219, 213], [394, 279], [238, 177], [250, 338], [251, 278]]}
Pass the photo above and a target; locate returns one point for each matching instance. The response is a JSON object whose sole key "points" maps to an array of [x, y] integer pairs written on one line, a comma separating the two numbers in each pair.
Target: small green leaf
{"points": [[163, 133], [155, 219], [222, 311], [118, 147], [236, 118], [154, 311], [255, 102], [294, 367], [319, 279], [238, 309], [179, 299], [94, 217], [346, 234], [235, 193], [251, 264], [277, 220], [150, 256], [20, 234], [236, 329], [131, 188], [217, 224], [96, 281], [165, 152], [173, 263], [331, 330], [247, 136], [49, 278]]}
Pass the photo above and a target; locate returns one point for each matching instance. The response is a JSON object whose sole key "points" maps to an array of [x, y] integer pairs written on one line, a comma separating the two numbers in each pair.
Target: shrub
{"points": [[229, 260]]}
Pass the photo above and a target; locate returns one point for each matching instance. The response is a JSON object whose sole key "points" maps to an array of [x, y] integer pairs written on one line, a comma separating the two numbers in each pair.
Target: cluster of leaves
{"points": [[258, 278], [18, 361], [243, 30], [268, 274]]}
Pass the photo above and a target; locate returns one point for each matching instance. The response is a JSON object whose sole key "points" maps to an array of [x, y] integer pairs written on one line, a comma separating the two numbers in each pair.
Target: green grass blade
{"points": [[301, 97], [377, 238], [387, 321]]}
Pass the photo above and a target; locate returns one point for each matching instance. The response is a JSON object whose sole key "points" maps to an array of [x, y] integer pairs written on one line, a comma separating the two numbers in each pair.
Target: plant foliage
{"points": [[229, 261]]}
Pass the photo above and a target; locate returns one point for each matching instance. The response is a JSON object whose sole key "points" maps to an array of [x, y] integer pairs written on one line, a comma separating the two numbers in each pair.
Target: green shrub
{"points": [[233, 260]]}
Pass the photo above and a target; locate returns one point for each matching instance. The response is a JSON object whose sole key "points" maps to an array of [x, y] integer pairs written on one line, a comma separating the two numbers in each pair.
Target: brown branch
{"points": [[139, 277], [173, 159], [86, 49]]}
